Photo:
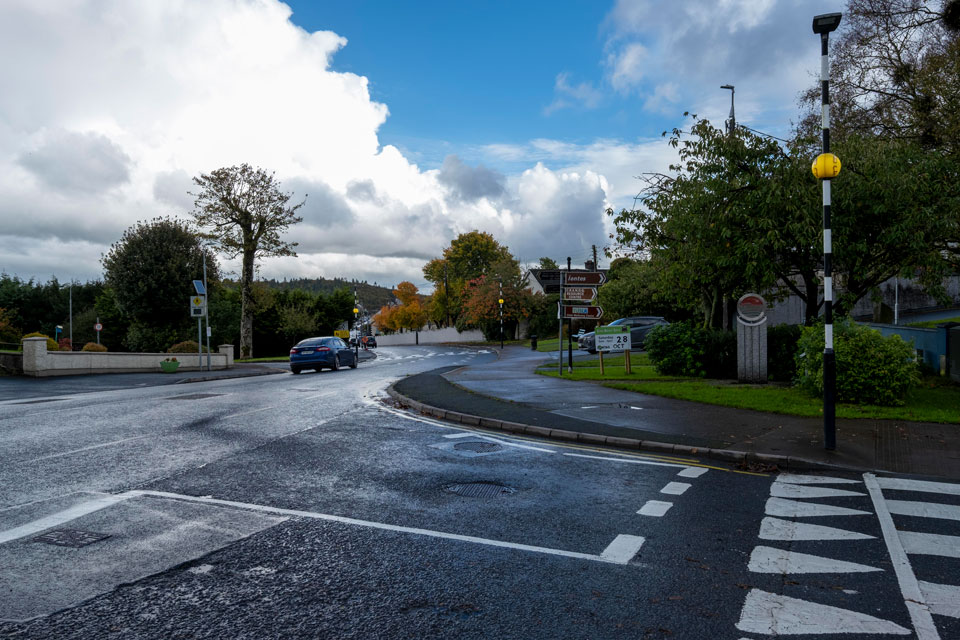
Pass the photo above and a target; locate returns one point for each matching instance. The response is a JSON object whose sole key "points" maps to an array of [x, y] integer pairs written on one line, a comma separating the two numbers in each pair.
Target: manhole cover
{"points": [[195, 396], [478, 447], [70, 538], [480, 489]]}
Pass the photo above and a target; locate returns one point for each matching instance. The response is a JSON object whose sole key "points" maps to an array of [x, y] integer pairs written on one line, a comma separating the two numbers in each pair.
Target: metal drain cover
{"points": [[73, 538], [480, 489], [478, 447], [195, 396]]}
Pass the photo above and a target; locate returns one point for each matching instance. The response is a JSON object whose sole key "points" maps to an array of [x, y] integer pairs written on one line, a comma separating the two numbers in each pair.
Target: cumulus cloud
{"points": [[76, 161], [583, 95], [470, 183]]}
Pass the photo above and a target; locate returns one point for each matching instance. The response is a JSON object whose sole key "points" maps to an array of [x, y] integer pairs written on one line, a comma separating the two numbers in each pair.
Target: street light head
{"points": [[826, 22], [727, 86]]}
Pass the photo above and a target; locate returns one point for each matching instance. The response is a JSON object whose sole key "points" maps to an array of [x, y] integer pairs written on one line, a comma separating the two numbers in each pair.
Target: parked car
{"points": [[318, 353], [640, 326]]}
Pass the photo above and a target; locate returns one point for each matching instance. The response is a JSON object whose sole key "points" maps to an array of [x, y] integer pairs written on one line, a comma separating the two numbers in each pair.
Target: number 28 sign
{"points": [[612, 338]]}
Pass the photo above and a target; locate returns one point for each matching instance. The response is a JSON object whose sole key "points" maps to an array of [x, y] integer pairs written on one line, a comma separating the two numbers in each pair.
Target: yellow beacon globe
{"points": [[826, 166]]}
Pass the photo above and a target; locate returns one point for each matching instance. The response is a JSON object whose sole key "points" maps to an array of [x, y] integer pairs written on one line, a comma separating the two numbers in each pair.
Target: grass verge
{"points": [[932, 324]]}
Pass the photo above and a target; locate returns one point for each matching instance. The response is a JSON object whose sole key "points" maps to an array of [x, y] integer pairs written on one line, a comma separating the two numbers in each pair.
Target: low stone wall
{"points": [[40, 363], [11, 363], [430, 336]]}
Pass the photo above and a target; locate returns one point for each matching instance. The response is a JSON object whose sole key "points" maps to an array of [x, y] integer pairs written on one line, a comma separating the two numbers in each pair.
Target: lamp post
{"points": [[826, 167], [500, 302], [356, 325], [732, 120]]}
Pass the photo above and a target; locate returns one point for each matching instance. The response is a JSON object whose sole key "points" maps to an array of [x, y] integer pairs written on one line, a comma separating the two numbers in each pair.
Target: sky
{"points": [[403, 124]]}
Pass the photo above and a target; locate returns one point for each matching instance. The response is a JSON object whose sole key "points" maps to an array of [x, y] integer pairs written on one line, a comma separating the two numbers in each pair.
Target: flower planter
{"points": [[169, 367]]}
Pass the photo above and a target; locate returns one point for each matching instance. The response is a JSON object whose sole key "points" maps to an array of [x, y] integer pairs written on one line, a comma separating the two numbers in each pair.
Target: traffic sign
{"points": [[612, 338], [198, 306], [751, 307], [549, 279], [579, 294], [589, 278], [577, 311], [98, 327]]}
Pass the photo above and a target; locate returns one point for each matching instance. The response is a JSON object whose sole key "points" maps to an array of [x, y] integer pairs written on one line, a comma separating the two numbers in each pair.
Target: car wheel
{"points": [[353, 365], [295, 370], [336, 363]]}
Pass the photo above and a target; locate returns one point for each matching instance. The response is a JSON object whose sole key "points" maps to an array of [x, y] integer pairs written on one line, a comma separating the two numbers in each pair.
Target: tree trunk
{"points": [[812, 299], [246, 305]]}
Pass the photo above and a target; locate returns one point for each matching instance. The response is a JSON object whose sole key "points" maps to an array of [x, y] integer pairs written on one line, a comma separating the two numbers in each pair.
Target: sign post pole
{"points": [[600, 353], [569, 328], [98, 327], [560, 338]]}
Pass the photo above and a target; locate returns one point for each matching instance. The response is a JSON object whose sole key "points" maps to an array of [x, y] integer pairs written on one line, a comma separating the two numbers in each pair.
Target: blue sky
{"points": [[403, 124]]}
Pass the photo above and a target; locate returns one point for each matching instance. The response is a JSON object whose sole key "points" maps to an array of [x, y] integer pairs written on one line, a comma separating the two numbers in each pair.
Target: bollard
{"points": [[533, 342]]}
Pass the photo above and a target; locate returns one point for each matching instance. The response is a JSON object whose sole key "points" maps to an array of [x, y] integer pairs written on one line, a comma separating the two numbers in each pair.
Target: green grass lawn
{"points": [[936, 400], [932, 324]]}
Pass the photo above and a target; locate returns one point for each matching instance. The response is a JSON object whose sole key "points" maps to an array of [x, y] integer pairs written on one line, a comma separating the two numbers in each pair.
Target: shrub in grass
{"points": [[51, 343], [187, 346], [686, 349], [871, 369], [782, 351], [93, 346]]}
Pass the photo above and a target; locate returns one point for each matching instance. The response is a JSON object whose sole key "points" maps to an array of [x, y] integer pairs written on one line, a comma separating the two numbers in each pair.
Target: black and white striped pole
{"points": [[826, 167], [500, 301]]}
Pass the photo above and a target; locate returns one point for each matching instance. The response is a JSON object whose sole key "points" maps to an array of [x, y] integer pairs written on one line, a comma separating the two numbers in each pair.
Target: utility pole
{"points": [[595, 263], [731, 131], [569, 330], [71, 314], [446, 292], [206, 307]]}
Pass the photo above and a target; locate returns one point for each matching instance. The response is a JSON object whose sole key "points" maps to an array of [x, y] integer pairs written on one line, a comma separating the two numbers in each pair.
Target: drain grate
{"points": [[195, 396], [478, 447], [73, 538], [480, 489]]}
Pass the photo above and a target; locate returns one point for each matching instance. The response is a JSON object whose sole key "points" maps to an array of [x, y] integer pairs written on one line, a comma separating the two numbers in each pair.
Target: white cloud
{"points": [[627, 67], [582, 95]]}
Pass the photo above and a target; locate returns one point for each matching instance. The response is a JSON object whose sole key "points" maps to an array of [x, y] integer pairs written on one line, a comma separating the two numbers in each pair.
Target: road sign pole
{"points": [[569, 327], [98, 330], [560, 338], [206, 308]]}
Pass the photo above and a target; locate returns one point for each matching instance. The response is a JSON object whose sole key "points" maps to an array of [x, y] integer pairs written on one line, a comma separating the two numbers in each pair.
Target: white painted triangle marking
{"points": [[622, 549], [903, 484], [776, 529], [772, 614], [924, 509], [794, 478], [931, 544], [784, 508], [943, 599], [772, 560], [784, 490]]}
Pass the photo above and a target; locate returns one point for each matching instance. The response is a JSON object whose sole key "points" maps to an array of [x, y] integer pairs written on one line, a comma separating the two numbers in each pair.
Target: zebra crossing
{"points": [[892, 544], [385, 356]]}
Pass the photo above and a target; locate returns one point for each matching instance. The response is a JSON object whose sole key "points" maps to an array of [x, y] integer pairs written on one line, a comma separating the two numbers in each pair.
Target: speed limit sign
{"points": [[98, 327]]}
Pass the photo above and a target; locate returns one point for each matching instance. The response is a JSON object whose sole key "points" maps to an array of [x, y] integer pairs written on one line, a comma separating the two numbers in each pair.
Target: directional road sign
{"points": [[589, 278], [577, 311], [579, 294], [549, 279]]}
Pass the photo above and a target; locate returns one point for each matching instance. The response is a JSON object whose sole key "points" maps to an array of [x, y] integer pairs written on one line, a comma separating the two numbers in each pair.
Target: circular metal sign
{"points": [[751, 307], [98, 327]]}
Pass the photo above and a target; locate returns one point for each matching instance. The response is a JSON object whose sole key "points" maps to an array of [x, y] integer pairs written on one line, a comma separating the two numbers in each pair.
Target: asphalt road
{"points": [[306, 506]]}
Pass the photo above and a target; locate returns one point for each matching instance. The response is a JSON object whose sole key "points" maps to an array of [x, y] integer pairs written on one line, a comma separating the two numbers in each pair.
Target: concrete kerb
{"points": [[725, 455], [247, 374]]}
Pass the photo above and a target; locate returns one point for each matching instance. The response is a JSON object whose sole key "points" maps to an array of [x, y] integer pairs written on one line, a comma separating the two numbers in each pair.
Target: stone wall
{"points": [[40, 363], [430, 336]]}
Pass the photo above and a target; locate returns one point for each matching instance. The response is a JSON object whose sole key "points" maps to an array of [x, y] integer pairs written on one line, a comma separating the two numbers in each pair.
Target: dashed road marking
{"points": [[655, 508], [623, 548], [693, 472], [675, 488]]}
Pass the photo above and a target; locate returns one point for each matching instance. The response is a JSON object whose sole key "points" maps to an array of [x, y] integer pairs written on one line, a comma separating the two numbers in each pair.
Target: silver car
{"points": [[640, 326]]}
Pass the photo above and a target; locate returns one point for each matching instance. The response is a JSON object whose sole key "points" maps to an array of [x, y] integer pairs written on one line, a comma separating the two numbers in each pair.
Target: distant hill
{"points": [[372, 297]]}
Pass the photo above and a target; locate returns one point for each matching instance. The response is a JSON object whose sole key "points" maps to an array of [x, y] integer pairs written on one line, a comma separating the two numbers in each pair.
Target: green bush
{"points": [[51, 343], [188, 346], [871, 369], [782, 351], [93, 346], [685, 349]]}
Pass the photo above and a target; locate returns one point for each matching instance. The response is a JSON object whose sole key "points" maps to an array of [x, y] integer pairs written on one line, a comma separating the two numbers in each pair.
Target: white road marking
{"points": [[655, 508], [931, 544], [783, 508], [784, 490], [909, 588], [924, 509], [772, 560], [623, 549], [458, 435], [675, 488], [628, 460], [799, 479], [771, 614], [776, 529], [943, 599], [244, 413], [693, 472], [637, 408], [903, 484], [375, 525], [57, 519], [592, 406], [90, 448]]}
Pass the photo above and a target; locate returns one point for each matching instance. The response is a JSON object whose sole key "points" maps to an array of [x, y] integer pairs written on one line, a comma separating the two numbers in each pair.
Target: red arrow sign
{"points": [[574, 311], [590, 278]]}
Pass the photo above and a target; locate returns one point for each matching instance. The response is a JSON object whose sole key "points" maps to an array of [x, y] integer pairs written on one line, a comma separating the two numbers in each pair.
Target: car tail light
{"points": [[323, 349], [293, 352]]}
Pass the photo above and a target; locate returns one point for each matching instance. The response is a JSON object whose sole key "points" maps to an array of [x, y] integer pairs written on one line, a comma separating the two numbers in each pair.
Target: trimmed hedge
{"points": [[188, 346], [687, 349], [871, 369], [93, 346], [51, 343]]}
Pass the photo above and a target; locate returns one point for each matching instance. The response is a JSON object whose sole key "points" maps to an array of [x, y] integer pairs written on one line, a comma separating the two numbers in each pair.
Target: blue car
{"points": [[319, 353]]}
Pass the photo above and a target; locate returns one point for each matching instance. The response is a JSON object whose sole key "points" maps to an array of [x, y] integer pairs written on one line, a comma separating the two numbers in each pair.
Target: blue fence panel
{"points": [[933, 342]]}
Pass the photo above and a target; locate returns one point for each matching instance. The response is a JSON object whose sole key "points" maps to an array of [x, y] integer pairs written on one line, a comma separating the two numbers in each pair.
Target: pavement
{"points": [[507, 394], [14, 388]]}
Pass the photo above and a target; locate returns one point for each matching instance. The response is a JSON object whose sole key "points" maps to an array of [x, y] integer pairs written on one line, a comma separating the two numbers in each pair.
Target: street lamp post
{"points": [[356, 325], [732, 120], [826, 167], [500, 301]]}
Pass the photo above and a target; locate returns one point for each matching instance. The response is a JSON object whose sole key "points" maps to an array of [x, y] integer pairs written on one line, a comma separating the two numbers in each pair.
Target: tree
{"points": [[149, 271], [244, 212], [548, 263], [481, 305]]}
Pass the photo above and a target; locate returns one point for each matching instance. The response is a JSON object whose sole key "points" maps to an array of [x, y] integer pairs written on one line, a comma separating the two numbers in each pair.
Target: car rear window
{"points": [[309, 343]]}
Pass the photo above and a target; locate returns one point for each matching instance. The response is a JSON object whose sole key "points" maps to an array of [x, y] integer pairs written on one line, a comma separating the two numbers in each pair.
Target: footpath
{"points": [[508, 395]]}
